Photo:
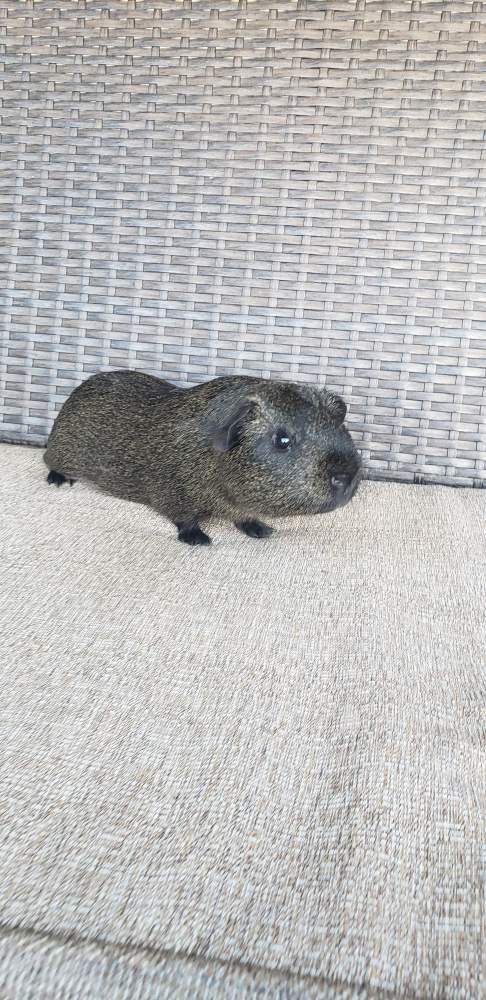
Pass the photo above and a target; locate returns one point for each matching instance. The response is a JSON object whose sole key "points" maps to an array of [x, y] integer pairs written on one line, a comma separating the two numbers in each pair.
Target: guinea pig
{"points": [[237, 447]]}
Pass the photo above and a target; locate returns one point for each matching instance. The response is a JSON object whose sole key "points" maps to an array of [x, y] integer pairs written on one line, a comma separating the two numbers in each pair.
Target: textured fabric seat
{"points": [[252, 770]]}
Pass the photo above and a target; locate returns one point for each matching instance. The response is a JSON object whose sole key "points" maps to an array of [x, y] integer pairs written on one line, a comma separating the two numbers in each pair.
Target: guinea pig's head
{"points": [[282, 448]]}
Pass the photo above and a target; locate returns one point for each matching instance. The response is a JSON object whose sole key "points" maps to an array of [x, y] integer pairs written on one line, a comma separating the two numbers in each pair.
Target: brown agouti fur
{"points": [[238, 448]]}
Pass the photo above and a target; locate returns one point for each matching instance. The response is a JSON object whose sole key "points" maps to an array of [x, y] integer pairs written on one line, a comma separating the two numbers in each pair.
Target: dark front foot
{"points": [[192, 534], [57, 479], [254, 529]]}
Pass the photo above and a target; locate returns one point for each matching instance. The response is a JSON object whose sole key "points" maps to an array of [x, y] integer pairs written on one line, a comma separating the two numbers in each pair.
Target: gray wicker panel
{"points": [[292, 188]]}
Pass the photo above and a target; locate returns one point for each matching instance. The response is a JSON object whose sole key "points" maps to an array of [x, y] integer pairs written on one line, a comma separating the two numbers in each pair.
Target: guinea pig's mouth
{"points": [[330, 505]]}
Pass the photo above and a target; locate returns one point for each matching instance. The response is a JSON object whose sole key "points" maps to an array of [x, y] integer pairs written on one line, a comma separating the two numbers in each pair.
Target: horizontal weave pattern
{"points": [[293, 189]]}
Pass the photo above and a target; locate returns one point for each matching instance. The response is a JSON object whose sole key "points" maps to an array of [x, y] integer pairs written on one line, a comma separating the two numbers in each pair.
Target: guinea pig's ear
{"points": [[336, 408], [227, 431]]}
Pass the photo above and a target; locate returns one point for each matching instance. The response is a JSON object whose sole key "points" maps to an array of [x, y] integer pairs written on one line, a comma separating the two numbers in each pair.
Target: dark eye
{"points": [[281, 441]]}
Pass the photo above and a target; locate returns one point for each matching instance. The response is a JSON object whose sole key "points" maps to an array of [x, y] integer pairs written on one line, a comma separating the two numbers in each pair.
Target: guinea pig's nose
{"points": [[340, 482]]}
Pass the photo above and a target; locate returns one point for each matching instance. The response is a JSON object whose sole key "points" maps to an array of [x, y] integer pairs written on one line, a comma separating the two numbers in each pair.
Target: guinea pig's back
{"points": [[99, 433]]}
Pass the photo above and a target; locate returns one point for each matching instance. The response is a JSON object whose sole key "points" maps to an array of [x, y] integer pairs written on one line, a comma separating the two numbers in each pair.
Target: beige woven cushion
{"points": [[267, 757]]}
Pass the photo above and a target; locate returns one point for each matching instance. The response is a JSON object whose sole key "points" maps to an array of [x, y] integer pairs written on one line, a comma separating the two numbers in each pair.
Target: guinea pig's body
{"points": [[238, 448]]}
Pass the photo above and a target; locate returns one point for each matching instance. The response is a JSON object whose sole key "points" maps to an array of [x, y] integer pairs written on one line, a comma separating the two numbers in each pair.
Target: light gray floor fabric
{"points": [[252, 770]]}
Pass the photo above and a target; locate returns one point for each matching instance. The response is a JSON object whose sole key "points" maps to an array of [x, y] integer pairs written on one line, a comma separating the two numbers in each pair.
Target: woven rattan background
{"points": [[292, 188]]}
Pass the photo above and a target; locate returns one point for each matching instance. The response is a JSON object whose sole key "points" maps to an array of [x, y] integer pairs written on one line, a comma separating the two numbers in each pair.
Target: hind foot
{"points": [[254, 528], [57, 479]]}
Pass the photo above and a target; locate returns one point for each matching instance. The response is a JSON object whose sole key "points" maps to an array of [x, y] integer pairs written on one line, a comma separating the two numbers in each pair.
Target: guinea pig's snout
{"points": [[340, 483], [345, 485], [344, 482]]}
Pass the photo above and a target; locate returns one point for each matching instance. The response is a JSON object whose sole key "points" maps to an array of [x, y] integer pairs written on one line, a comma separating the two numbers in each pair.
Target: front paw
{"points": [[193, 536], [254, 528]]}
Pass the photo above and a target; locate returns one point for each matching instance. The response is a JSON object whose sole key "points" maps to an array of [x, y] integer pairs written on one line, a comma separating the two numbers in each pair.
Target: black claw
{"points": [[193, 536], [254, 528], [57, 478]]}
